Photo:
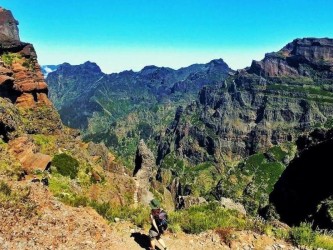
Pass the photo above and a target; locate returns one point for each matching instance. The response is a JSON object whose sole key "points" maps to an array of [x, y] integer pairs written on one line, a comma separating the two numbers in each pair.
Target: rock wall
{"points": [[21, 79], [8, 27], [144, 172]]}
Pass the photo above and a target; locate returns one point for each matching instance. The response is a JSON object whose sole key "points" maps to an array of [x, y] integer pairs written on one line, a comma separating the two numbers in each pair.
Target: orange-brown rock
{"points": [[4, 78], [25, 100], [24, 150], [19, 67]]}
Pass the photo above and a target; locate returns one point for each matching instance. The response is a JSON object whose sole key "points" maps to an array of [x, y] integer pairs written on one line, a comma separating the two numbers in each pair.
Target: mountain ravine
{"points": [[59, 192], [235, 138], [119, 109]]}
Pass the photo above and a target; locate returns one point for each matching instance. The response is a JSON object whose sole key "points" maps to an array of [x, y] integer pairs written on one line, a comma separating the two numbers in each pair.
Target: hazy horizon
{"points": [[129, 34]]}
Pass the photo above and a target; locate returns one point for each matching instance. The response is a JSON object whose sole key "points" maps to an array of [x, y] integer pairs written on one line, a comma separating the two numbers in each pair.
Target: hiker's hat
{"points": [[154, 204]]}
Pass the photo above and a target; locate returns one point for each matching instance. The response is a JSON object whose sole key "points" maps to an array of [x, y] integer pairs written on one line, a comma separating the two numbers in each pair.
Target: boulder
{"points": [[230, 204], [24, 150], [185, 202]]}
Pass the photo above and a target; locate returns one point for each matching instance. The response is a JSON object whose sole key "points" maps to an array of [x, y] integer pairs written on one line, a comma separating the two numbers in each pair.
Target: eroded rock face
{"points": [[21, 79], [8, 26], [144, 172], [288, 61], [272, 102], [25, 151]]}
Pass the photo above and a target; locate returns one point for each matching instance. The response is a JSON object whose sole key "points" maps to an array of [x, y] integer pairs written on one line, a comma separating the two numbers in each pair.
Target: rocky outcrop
{"points": [[21, 79], [8, 27], [230, 204], [290, 60], [24, 150], [144, 172], [185, 202]]}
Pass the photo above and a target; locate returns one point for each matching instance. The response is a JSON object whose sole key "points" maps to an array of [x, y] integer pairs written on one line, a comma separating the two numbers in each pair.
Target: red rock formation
{"points": [[24, 150], [21, 79]]}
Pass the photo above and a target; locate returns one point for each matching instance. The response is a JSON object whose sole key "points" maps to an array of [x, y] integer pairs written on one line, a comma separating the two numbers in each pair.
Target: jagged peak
{"points": [[8, 26]]}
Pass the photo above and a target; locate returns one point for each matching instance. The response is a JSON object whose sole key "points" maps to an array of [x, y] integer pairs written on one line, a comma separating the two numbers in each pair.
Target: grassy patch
{"points": [[10, 58], [45, 142], [197, 219], [324, 241], [139, 216], [302, 235]]}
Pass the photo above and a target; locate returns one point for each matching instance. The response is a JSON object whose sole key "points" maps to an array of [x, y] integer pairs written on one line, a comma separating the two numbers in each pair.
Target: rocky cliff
{"points": [[287, 93], [43, 162], [8, 27], [247, 126], [21, 79]]}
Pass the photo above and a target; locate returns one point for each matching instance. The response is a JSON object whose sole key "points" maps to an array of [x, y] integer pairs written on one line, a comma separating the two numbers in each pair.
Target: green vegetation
{"points": [[201, 178], [139, 216], [329, 123], [66, 165], [252, 180], [302, 235], [323, 240], [197, 219], [45, 142], [10, 58], [302, 86]]}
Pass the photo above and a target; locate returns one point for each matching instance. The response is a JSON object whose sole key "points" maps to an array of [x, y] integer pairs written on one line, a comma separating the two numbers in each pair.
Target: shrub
{"points": [[323, 241], [197, 219], [302, 235], [4, 188], [139, 216], [66, 165]]}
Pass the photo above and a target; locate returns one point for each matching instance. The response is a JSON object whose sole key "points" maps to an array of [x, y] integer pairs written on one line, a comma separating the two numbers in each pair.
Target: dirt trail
{"points": [[58, 226]]}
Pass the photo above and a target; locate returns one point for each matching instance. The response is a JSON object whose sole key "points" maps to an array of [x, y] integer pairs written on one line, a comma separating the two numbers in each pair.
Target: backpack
{"points": [[161, 218]]}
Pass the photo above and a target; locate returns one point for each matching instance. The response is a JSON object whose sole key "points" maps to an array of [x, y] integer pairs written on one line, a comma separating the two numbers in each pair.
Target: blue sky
{"points": [[129, 34]]}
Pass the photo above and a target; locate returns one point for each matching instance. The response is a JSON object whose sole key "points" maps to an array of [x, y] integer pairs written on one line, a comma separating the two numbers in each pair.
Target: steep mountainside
{"points": [[42, 162], [305, 190], [119, 109], [245, 129], [273, 101], [54, 187]]}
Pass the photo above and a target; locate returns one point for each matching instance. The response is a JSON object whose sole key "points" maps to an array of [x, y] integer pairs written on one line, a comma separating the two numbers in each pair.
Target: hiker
{"points": [[156, 230]]}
